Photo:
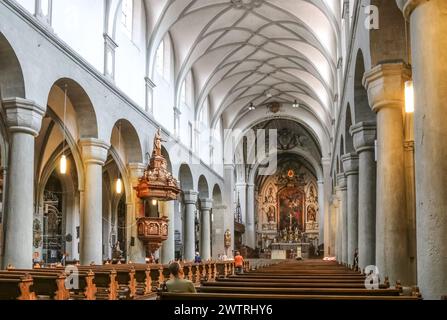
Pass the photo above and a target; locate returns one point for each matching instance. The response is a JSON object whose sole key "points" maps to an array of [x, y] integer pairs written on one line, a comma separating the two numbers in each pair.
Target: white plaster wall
{"points": [[80, 24], [29, 5], [130, 57]]}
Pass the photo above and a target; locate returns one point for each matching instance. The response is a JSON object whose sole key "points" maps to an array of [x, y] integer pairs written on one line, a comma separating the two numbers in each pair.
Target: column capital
{"points": [[241, 184], [206, 204], [334, 200], [409, 145], [190, 197], [341, 181], [325, 161], [350, 164], [94, 150], [364, 135], [385, 85], [136, 170], [23, 115], [408, 6]]}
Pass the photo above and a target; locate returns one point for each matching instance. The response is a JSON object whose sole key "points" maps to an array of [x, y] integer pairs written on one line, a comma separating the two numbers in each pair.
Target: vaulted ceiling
{"points": [[252, 51]]}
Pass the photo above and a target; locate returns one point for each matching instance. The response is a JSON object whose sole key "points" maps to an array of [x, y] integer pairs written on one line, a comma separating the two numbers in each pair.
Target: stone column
{"points": [[250, 231], [337, 225], [429, 53], [205, 242], [322, 212], [190, 200], [324, 195], [94, 155], [351, 168], [385, 85], [333, 227], [364, 135], [229, 202], [168, 247], [343, 216], [219, 228], [137, 252], [24, 119]]}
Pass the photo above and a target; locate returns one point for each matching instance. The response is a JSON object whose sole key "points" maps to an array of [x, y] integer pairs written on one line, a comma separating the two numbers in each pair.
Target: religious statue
{"points": [[271, 216], [117, 253], [227, 239], [311, 215], [270, 198], [157, 144]]}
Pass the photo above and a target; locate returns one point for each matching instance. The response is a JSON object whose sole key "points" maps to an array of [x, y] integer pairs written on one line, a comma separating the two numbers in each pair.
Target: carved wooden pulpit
{"points": [[158, 184]]}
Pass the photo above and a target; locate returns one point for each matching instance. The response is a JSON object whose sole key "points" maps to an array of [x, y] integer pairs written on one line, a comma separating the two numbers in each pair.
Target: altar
{"points": [[288, 213], [283, 251]]}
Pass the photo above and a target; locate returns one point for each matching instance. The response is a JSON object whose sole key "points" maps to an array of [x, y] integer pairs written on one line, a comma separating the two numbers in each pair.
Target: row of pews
{"points": [[305, 280], [102, 282]]}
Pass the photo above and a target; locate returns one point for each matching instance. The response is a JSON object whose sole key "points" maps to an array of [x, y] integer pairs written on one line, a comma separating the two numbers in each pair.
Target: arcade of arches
{"points": [[335, 114]]}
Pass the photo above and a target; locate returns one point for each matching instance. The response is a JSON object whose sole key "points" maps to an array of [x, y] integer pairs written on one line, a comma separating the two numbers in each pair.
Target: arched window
{"points": [[127, 16]]}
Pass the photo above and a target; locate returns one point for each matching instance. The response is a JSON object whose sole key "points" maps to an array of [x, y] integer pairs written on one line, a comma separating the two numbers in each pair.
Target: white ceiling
{"points": [[240, 49]]}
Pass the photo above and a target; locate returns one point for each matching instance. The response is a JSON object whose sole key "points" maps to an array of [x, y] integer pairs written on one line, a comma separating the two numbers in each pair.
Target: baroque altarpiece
{"points": [[287, 207]]}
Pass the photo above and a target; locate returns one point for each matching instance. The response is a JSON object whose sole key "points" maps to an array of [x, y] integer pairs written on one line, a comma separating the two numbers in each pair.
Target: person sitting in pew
{"points": [[177, 284]]}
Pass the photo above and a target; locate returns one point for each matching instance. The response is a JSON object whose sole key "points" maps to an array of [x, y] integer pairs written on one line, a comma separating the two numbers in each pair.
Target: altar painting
{"points": [[291, 207]]}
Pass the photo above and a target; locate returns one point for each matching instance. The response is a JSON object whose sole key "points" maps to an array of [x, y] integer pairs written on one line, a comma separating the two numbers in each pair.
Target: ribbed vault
{"points": [[252, 51]]}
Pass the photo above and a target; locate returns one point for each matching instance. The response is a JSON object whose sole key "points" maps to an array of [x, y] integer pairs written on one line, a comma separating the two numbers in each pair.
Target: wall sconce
{"points": [[119, 186], [409, 97]]}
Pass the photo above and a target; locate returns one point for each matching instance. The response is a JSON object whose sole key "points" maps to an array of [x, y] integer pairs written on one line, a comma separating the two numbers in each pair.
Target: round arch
{"points": [[217, 195], [185, 177], [349, 144], [125, 138], [203, 188], [80, 102], [362, 110], [12, 83]]}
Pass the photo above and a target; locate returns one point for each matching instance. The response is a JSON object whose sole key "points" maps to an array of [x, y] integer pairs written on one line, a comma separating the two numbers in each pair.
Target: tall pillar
{"points": [[337, 226], [168, 247], [94, 155], [250, 231], [343, 215], [228, 202], [219, 228], [23, 118], [428, 25], [385, 85], [322, 211], [351, 168], [190, 200], [205, 241], [324, 196], [332, 252], [137, 252], [364, 136]]}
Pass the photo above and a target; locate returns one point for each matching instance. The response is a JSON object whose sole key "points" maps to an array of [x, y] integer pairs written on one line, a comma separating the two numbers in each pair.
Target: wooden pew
{"points": [[318, 284], [51, 285], [87, 288], [105, 281], [222, 296], [16, 288], [301, 291]]}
